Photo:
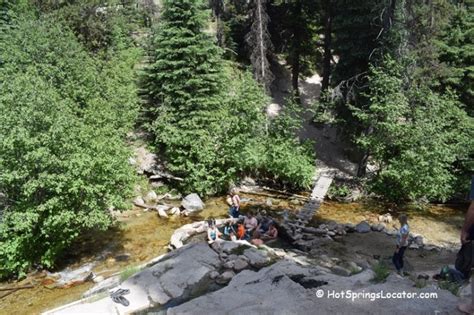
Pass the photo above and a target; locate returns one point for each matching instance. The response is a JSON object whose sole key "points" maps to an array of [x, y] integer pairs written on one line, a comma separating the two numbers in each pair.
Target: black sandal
{"points": [[117, 296]]}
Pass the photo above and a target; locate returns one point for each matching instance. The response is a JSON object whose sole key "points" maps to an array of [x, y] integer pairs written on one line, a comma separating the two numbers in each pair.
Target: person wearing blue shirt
{"points": [[402, 244]]}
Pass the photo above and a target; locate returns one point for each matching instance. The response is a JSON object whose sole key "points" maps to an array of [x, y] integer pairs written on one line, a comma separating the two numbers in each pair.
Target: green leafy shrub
{"points": [[63, 159], [339, 191]]}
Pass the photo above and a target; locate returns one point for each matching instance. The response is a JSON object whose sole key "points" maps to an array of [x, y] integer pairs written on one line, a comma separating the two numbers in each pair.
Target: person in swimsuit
{"points": [[234, 203], [213, 233]]}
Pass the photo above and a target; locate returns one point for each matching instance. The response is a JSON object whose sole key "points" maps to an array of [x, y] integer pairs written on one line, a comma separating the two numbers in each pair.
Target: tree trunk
{"points": [[362, 167], [296, 49], [327, 45], [295, 69]]}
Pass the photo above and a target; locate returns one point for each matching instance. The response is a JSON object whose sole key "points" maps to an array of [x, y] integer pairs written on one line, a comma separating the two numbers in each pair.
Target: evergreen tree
{"points": [[208, 119], [184, 81], [414, 137], [327, 20], [456, 51], [260, 43]]}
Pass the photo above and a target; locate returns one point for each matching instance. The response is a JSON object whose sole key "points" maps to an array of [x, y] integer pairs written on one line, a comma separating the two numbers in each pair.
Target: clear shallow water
{"points": [[144, 236]]}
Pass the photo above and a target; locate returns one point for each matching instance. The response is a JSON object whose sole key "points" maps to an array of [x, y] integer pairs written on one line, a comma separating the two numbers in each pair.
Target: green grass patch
{"points": [[128, 272], [381, 272], [452, 287]]}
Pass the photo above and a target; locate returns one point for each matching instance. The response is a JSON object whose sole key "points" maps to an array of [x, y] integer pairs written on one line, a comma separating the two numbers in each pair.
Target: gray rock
{"points": [[162, 210], [232, 257], [248, 181], [331, 233], [138, 201], [308, 237], [228, 247], [465, 291], [432, 248], [192, 203], [363, 227], [174, 276], [252, 290], [269, 202], [378, 227], [413, 246], [340, 271], [419, 240], [225, 277], [213, 275], [228, 264], [122, 257], [151, 197], [240, 264], [102, 286], [350, 228], [295, 202], [175, 211], [281, 288], [332, 225], [313, 230], [353, 267], [257, 258], [385, 218]]}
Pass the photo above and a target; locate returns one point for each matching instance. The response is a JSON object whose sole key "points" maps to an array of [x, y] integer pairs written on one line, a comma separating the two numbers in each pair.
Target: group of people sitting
{"points": [[251, 228]]}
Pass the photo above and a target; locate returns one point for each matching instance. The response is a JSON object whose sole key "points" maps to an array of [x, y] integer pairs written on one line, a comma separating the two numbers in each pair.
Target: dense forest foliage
{"points": [[68, 97], [397, 82]]}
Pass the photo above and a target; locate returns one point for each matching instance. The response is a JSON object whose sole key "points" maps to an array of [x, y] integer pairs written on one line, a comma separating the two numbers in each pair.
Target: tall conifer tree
{"points": [[260, 43], [184, 82]]}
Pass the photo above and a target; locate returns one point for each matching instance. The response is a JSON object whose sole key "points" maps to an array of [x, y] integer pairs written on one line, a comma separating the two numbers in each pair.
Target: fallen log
{"points": [[285, 193], [145, 206], [27, 286], [8, 293], [162, 175], [262, 194]]}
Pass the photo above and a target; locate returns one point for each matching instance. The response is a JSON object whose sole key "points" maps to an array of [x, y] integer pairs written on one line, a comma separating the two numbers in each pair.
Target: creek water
{"points": [[143, 235]]}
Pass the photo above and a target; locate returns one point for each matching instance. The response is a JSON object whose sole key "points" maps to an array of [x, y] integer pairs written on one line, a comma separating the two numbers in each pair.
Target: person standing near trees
{"points": [[464, 261], [233, 200], [402, 243], [467, 232]]}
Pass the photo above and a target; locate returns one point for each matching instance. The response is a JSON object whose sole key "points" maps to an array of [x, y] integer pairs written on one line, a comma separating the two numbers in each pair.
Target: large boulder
{"points": [[192, 203], [248, 292], [257, 258], [175, 277], [294, 290], [363, 227], [151, 197]]}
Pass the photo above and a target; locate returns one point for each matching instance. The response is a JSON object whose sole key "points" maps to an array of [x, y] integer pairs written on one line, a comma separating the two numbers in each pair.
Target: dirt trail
{"points": [[328, 146]]}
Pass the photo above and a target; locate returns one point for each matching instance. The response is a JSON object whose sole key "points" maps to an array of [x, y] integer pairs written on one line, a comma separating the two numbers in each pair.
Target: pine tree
{"points": [[456, 49], [327, 44], [185, 71], [184, 81], [260, 43], [295, 34], [217, 7]]}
